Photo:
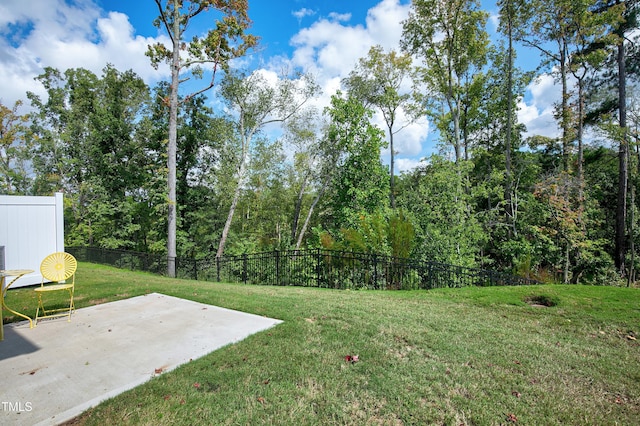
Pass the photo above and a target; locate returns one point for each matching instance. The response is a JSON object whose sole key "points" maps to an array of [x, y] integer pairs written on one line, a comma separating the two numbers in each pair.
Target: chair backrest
{"points": [[58, 266]]}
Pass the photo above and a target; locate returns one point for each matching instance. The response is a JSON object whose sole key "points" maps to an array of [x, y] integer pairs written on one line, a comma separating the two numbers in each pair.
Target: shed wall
{"points": [[30, 229]]}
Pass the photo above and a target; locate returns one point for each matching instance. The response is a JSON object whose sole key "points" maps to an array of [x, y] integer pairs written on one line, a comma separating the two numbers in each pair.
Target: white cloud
{"points": [[406, 164], [299, 14], [536, 112], [55, 34], [384, 23], [494, 21], [340, 17]]}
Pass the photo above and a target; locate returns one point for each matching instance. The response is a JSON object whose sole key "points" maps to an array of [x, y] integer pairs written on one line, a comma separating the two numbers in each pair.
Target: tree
{"points": [[221, 44], [630, 22], [256, 102], [383, 80], [450, 38], [609, 91], [14, 150], [358, 186], [446, 226], [89, 143], [312, 163], [509, 19]]}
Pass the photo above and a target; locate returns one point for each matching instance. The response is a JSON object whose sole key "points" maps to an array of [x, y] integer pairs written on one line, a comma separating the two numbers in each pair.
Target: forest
{"points": [[159, 170]]}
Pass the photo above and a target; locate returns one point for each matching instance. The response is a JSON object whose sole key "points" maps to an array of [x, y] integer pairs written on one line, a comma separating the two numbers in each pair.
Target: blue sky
{"points": [[324, 37]]}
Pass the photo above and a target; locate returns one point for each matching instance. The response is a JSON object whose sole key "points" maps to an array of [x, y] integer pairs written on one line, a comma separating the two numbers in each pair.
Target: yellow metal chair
{"points": [[56, 268]]}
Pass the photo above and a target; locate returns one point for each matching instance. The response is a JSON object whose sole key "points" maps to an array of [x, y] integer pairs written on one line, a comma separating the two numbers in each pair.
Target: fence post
{"points": [[244, 268], [277, 252], [195, 269], [317, 267], [375, 271]]}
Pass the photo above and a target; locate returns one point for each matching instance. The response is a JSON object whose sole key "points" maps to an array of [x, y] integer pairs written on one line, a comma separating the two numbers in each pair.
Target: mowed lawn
{"points": [[471, 356]]}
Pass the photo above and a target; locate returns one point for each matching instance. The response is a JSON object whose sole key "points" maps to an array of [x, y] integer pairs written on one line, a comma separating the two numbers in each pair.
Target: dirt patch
{"points": [[541, 301]]}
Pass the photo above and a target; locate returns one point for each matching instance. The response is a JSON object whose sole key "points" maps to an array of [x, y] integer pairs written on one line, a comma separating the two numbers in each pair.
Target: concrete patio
{"points": [[55, 371]]}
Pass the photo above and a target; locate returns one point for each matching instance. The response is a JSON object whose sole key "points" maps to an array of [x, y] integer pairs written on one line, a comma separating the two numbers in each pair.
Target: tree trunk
{"points": [[621, 212], [507, 142], [565, 272], [172, 145], [392, 181], [309, 213], [580, 146], [232, 210], [455, 114], [298, 208], [566, 133]]}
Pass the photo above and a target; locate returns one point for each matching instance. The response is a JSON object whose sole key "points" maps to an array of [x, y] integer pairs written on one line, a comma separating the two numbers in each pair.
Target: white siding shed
{"points": [[30, 229]]}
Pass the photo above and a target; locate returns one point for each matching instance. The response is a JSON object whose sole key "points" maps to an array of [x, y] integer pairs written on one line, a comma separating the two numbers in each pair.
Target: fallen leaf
{"points": [[182, 401], [516, 394], [261, 400], [167, 397], [630, 337], [517, 362], [266, 382], [352, 358], [512, 418], [159, 370], [196, 385]]}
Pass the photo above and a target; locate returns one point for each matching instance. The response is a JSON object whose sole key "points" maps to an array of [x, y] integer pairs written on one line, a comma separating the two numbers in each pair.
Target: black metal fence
{"points": [[309, 268]]}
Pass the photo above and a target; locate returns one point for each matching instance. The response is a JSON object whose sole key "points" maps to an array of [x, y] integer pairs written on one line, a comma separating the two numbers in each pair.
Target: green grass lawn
{"points": [[471, 356]]}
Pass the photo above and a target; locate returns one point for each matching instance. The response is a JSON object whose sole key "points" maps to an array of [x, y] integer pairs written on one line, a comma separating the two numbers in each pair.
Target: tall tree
{"points": [[384, 80], [609, 90], [509, 20], [227, 40], [546, 26], [450, 38], [303, 133], [257, 102], [359, 185], [629, 23]]}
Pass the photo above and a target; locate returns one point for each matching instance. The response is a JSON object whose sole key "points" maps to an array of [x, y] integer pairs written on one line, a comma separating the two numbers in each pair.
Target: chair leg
{"points": [[55, 312], [71, 306], [35, 323]]}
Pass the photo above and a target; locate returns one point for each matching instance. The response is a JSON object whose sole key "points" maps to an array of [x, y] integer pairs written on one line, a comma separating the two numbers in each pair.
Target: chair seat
{"points": [[54, 287]]}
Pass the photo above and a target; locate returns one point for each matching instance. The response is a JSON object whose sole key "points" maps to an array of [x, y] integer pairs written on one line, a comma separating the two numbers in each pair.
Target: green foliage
{"points": [[400, 235], [360, 181], [447, 229], [90, 141], [15, 139], [391, 233]]}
